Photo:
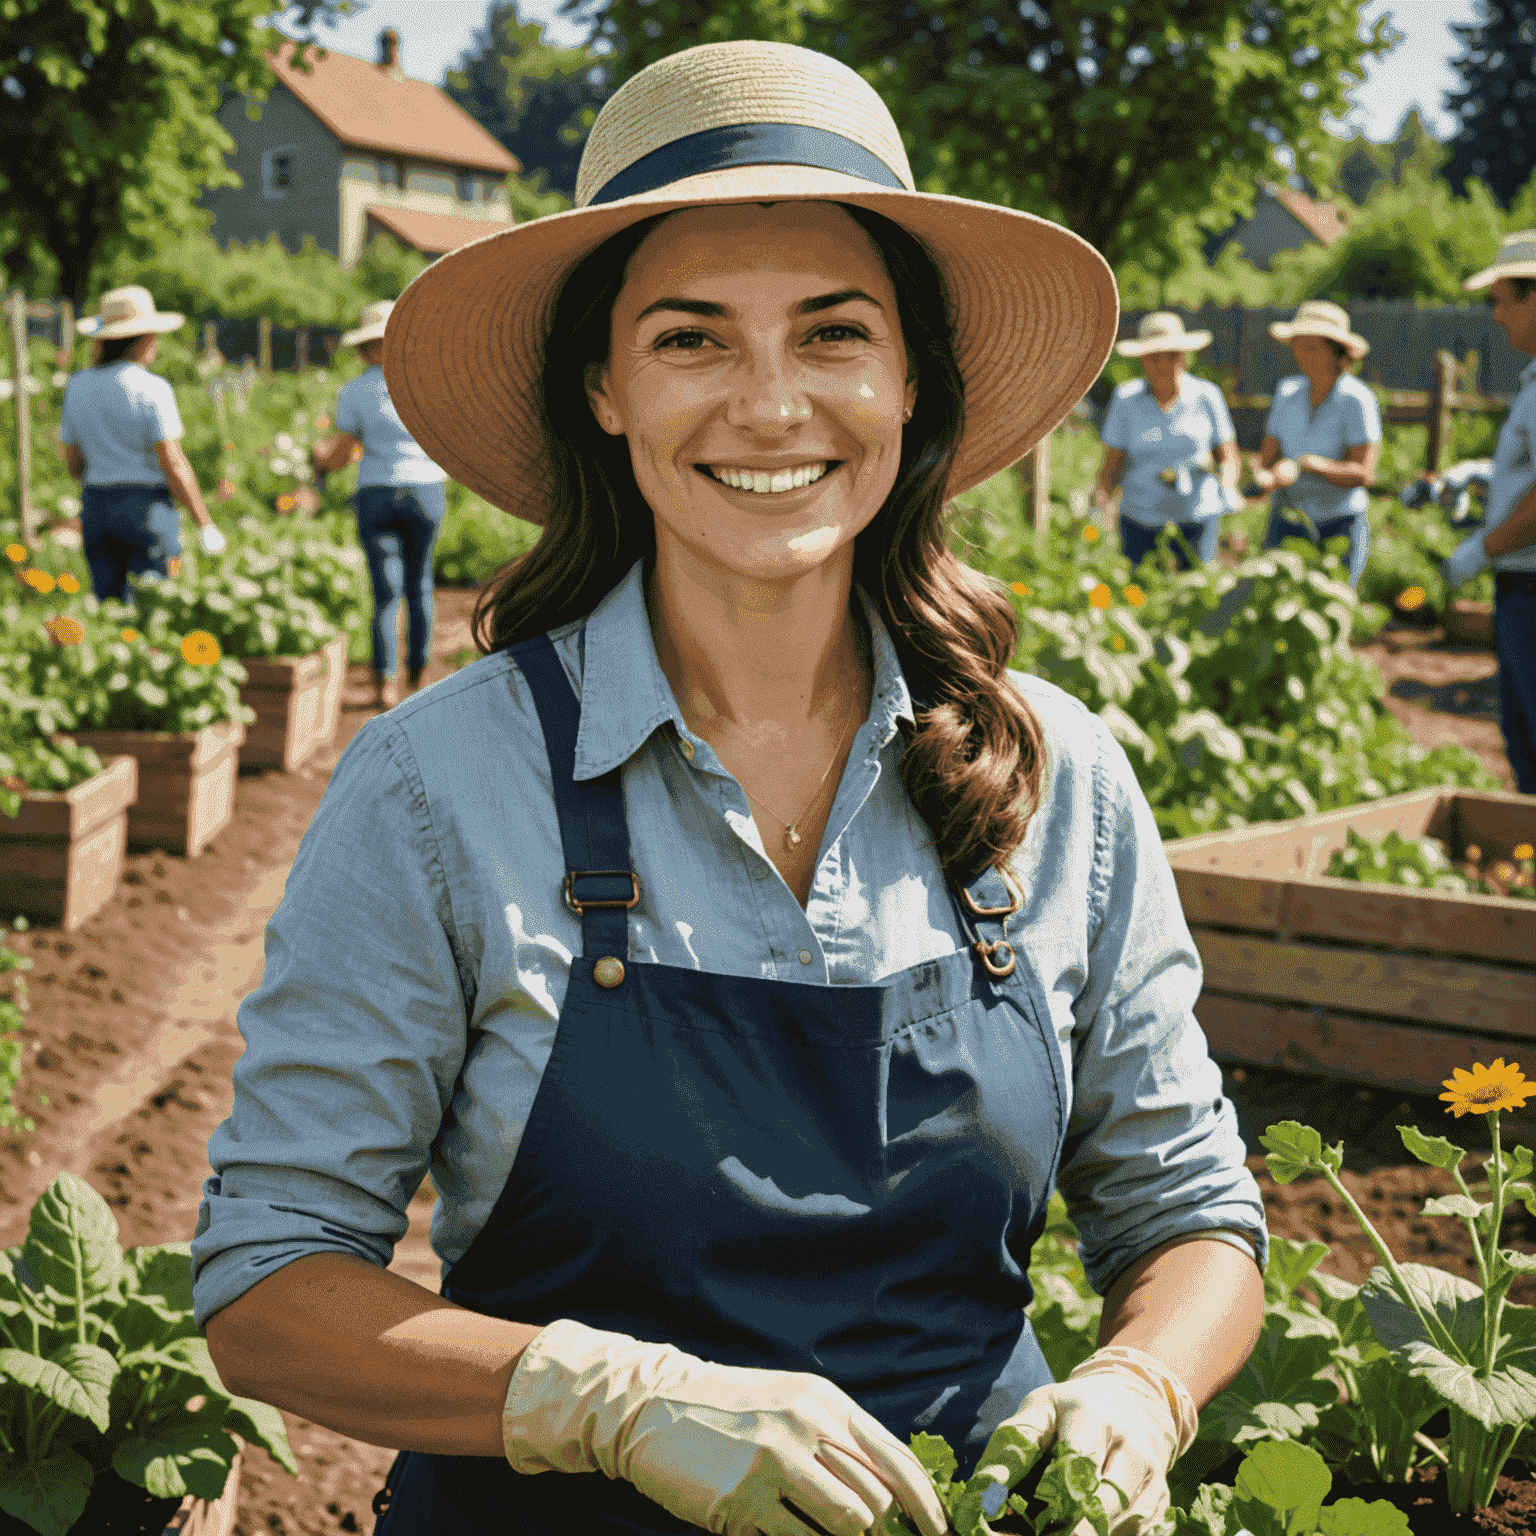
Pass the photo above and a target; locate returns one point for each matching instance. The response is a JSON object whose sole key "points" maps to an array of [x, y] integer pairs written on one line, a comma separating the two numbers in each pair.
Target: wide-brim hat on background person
{"points": [[371, 321], [1317, 317], [1035, 306], [128, 311], [1162, 331], [1516, 258]]}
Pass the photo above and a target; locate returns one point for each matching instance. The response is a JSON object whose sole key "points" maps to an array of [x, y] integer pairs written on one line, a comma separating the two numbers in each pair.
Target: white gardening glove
{"points": [[725, 1448], [1465, 561], [1131, 1414], [210, 540]]}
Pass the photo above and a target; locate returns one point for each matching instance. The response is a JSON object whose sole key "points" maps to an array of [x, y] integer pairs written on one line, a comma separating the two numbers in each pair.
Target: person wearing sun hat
{"points": [[747, 951], [121, 433], [1170, 446], [399, 503], [1322, 437], [1507, 539]]}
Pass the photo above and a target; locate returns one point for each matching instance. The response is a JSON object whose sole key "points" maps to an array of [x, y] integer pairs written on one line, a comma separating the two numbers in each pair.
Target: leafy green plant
{"points": [[1392, 859], [477, 539], [13, 1010], [103, 1367]]}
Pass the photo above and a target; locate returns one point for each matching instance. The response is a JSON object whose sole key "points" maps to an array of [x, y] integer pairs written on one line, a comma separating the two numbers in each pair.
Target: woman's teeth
{"points": [[762, 481]]}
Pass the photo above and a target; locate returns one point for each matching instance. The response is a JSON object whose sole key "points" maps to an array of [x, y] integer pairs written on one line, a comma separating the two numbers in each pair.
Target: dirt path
{"points": [[133, 1040]]}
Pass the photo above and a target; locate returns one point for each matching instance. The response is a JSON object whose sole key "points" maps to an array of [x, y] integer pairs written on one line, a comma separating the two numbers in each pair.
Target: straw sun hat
{"points": [[129, 311], [1317, 317], [1516, 258], [1163, 332], [1035, 306], [371, 320]]}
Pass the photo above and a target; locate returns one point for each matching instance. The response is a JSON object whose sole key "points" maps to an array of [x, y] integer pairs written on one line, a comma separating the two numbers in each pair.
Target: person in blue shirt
{"points": [[121, 433], [1507, 539], [399, 503], [1169, 445], [747, 951], [1322, 438]]}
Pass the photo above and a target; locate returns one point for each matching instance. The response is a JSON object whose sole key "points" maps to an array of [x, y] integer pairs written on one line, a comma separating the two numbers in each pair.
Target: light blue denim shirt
{"points": [[1154, 439], [1348, 417], [391, 456], [1514, 470], [115, 416], [419, 958]]}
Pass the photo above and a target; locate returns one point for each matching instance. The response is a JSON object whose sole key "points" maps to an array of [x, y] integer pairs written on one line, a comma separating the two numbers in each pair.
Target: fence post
{"points": [[66, 353], [301, 349], [1442, 386], [16, 309], [1040, 483], [264, 344]]}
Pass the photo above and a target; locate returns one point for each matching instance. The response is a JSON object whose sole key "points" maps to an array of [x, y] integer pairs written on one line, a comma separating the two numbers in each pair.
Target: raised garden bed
{"points": [[62, 854], [297, 700], [186, 782], [1467, 622], [1380, 984]]}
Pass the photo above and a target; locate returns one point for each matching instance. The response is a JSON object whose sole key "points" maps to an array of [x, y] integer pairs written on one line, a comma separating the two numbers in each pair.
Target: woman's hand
{"points": [[736, 1451], [1284, 473], [1127, 1411]]}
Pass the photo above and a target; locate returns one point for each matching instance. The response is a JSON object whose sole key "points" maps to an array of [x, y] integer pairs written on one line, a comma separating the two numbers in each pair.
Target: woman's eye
{"points": [[840, 333], [684, 341]]}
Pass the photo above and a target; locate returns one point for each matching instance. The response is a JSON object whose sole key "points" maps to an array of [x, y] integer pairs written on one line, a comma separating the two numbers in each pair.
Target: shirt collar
{"points": [[625, 696], [1528, 372]]}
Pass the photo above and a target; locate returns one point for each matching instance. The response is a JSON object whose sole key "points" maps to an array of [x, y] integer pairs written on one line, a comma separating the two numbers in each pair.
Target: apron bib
{"points": [[846, 1180]]}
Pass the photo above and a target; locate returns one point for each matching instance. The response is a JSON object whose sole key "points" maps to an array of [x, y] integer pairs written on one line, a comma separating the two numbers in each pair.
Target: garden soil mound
{"points": [[132, 1040]]}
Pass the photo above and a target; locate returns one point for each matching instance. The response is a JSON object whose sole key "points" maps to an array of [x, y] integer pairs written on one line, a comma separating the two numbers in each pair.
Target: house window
{"points": [[277, 171], [469, 188], [389, 173]]}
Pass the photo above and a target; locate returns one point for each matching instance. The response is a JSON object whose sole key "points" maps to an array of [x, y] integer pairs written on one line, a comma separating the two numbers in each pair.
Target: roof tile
{"points": [[433, 234]]}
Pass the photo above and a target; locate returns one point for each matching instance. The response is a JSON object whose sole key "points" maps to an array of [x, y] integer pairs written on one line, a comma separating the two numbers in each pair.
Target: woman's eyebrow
{"points": [[711, 310]]}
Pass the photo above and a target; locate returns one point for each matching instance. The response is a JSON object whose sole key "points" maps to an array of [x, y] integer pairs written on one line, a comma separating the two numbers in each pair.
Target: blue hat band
{"points": [[720, 149]]}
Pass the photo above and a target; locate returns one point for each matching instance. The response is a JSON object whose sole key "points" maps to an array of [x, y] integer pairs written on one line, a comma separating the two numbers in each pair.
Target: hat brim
{"points": [[1356, 346], [1188, 341], [1036, 310], [1490, 275], [156, 324], [363, 333]]}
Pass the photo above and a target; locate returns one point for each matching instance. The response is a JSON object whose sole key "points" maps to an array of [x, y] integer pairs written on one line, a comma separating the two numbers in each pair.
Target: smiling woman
{"points": [[744, 947]]}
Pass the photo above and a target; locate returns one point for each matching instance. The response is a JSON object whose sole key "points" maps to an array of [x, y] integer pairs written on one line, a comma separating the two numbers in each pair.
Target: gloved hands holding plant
{"points": [[1465, 561]]}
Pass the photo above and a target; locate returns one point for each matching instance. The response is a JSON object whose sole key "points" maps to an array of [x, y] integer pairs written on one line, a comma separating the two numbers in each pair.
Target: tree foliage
{"points": [[1496, 104], [539, 101], [1115, 117], [108, 126]]}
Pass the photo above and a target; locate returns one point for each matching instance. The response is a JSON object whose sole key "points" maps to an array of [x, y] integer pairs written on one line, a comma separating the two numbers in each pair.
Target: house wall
{"points": [[1272, 229], [427, 188], [308, 206]]}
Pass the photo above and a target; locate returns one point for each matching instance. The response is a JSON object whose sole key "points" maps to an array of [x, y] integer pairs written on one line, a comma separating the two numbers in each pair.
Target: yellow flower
{"points": [[1486, 1090], [67, 583], [1117, 642], [1021, 589], [65, 630], [1525, 851], [1101, 597], [1090, 533], [16, 553], [1411, 598], [287, 502], [39, 581], [1135, 596], [200, 648], [130, 635], [173, 565]]}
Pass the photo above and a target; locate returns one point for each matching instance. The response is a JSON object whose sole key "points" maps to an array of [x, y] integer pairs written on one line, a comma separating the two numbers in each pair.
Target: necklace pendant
{"points": [[791, 838]]}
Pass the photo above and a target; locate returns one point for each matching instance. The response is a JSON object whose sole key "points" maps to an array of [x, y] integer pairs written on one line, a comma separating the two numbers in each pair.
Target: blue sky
{"points": [[434, 33]]}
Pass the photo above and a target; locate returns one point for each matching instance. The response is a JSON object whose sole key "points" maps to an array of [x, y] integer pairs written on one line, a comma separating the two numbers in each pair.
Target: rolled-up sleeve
{"points": [[1152, 1150], [354, 1039]]}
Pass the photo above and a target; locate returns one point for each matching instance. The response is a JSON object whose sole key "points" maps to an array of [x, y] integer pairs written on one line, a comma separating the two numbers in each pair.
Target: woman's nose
{"points": [[768, 395]]}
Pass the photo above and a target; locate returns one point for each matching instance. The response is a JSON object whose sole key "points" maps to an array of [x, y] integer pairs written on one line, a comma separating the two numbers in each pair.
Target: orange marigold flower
{"points": [[1021, 589], [14, 781], [1135, 596], [322, 422], [1117, 642], [65, 630], [130, 635], [16, 553], [200, 648], [1525, 851], [1090, 533], [287, 502], [67, 583], [1411, 598], [1486, 1090], [173, 565], [224, 490], [1101, 597], [39, 581]]}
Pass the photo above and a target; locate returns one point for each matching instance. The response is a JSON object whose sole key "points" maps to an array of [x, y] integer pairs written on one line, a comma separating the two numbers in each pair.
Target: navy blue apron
{"points": [[846, 1180]]}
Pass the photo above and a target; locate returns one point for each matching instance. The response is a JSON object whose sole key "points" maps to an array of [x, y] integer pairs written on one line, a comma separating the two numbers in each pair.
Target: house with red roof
{"points": [[344, 149], [1283, 219]]}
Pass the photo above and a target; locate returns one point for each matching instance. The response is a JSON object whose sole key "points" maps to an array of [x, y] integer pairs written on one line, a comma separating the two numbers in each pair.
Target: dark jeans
{"points": [[398, 525], [1514, 635], [1288, 523], [127, 530], [1138, 540]]}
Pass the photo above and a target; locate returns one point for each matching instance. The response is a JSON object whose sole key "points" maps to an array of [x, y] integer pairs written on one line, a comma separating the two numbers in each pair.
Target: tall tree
{"points": [[538, 100], [1114, 118], [108, 122], [1496, 105]]}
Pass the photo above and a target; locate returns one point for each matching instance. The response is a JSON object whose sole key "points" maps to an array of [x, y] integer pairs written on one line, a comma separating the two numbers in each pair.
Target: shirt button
{"points": [[805, 957]]}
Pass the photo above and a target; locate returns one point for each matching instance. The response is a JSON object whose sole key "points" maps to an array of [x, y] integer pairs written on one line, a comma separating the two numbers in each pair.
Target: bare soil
{"points": [[133, 1039]]}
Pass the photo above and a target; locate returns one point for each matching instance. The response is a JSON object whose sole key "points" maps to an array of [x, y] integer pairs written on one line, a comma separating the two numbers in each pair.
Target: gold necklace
{"points": [[792, 838]]}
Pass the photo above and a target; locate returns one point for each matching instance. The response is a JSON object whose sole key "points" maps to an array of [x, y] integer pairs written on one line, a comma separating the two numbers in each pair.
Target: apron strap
{"points": [[988, 898], [599, 886]]}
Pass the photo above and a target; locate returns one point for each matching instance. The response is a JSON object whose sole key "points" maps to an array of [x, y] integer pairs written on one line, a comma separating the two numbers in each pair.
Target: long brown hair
{"points": [[973, 765]]}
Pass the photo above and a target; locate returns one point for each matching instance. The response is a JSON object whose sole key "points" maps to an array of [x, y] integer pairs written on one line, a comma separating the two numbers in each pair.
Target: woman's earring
{"points": [[906, 415]]}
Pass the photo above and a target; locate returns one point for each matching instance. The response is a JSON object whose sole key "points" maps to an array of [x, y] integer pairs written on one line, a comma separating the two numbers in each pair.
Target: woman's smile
{"points": [[768, 482]]}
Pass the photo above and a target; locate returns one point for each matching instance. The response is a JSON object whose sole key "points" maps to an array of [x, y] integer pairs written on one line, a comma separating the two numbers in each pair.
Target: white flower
{"points": [[284, 442], [67, 538], [303, 474], [60, 378], [278, 466], [69, 505], [1087, 583]]}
